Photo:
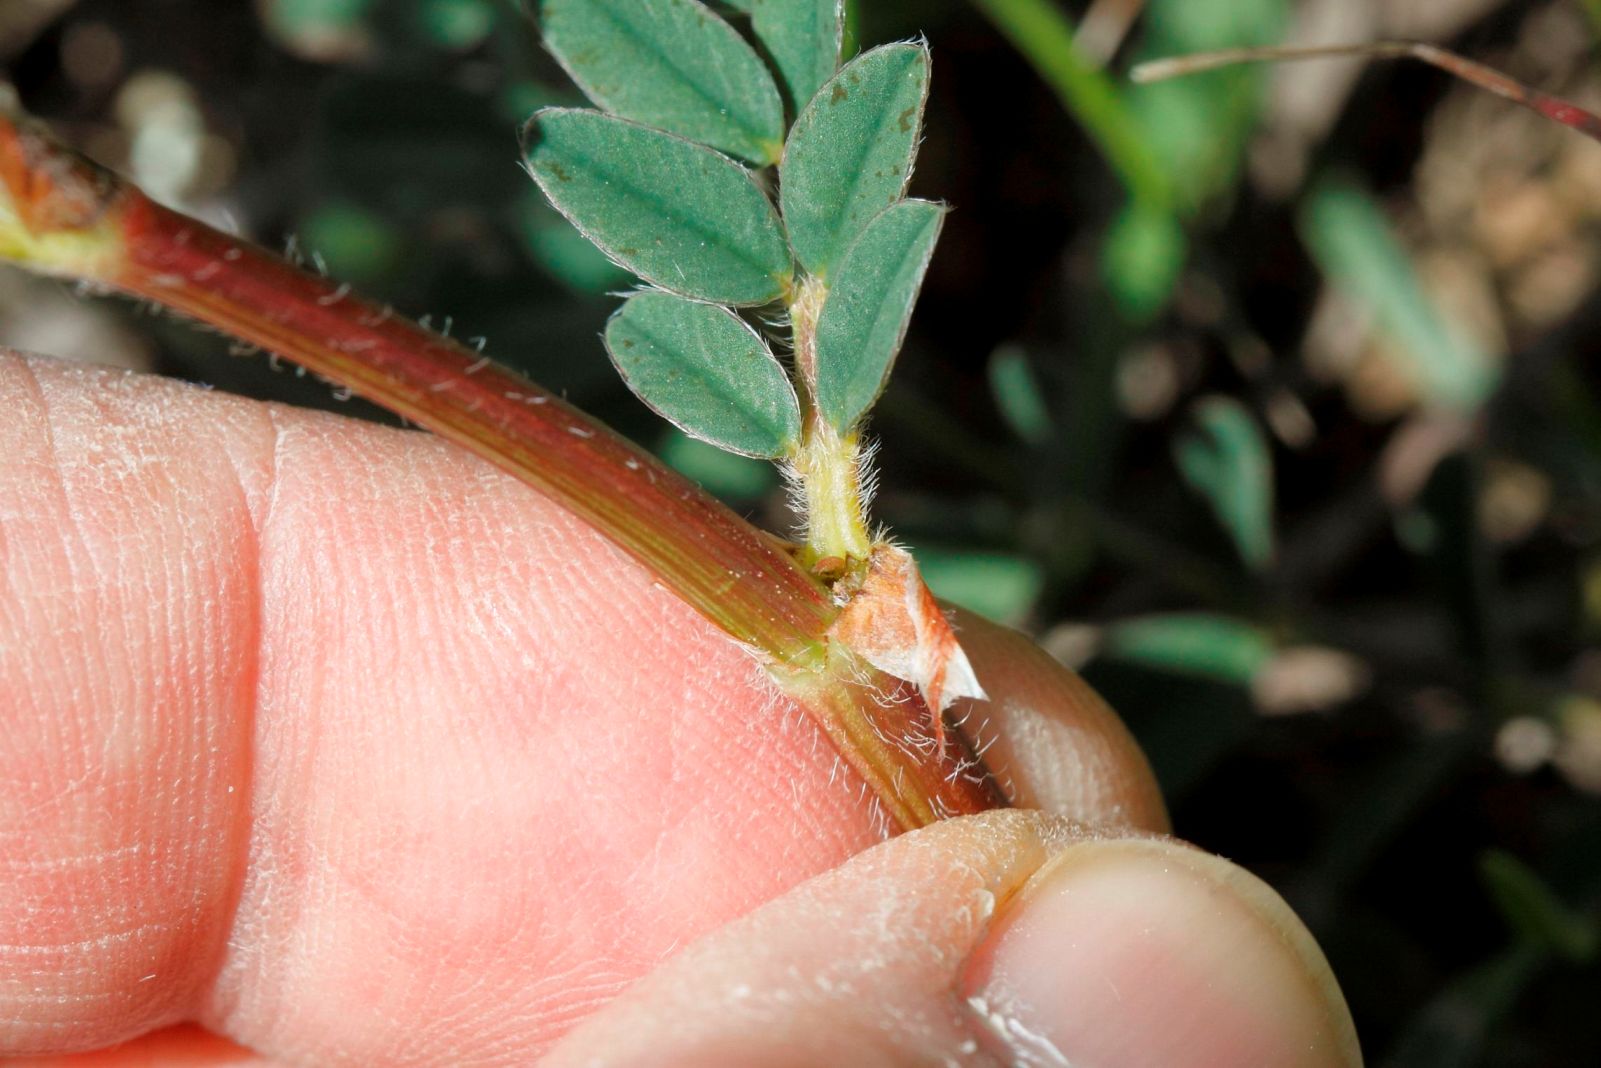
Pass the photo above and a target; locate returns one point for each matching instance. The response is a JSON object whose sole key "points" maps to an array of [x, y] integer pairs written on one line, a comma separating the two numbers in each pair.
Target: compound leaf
{"points": [[864, 318], [850, 152], [707, 372], [677, 214], [672, 64]]}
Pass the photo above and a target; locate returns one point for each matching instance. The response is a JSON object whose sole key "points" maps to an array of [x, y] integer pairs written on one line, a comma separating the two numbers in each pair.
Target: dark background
{"points": [[1286, 432]]}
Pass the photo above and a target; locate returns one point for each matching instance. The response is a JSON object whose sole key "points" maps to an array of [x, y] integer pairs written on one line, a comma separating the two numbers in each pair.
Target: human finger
{"points": [[340, 742]]}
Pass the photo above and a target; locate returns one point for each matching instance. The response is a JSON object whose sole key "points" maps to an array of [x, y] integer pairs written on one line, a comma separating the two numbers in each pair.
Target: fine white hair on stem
{"points": [[867, 473], [795, 497]]}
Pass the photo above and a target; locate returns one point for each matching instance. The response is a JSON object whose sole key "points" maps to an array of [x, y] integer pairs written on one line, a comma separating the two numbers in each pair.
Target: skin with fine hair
{"points": [[327, 744]]}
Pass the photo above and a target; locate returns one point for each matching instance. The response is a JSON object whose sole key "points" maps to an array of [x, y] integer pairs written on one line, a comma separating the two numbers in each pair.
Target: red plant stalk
{"points": [[66, 216], [1487, 78]]}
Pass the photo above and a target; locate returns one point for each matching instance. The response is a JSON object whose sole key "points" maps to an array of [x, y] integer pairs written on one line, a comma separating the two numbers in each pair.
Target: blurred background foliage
{"points": [[1269, 399]]}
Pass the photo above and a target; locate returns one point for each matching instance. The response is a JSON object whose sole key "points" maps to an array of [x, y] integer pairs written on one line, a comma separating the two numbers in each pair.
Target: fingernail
{"points": [[1142, 952]]}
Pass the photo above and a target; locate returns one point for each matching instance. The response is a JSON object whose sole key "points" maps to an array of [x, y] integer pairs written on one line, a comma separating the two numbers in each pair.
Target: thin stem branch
{"points": [[1487, 78]]}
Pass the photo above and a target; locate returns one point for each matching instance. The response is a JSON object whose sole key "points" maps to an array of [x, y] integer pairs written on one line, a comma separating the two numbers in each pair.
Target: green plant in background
{"points": [[1174, 147]]}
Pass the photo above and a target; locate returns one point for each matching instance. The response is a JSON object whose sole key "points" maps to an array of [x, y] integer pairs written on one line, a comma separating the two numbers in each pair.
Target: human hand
{"points": [[335, 742]]}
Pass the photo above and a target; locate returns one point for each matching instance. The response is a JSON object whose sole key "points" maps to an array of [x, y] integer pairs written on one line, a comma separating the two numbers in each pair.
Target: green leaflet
{"points": [[1142, 259], [1227, 461], [1533, 909], [676, 213], [850, 151], [1018, 395], [869, 304], [456, 24], [1354, 244], [704, 370], [803, 37], [1192, 643], [672, 64]]}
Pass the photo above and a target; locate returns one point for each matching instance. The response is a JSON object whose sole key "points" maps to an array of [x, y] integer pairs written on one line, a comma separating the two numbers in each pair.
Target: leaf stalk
{"points": [[828, 465]]}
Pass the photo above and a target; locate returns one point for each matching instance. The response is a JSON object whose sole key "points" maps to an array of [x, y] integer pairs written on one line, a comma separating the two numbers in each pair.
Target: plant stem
{"points": [[681, 537], [1487, 78], [828, 465], [829, 468], [61, 215]]}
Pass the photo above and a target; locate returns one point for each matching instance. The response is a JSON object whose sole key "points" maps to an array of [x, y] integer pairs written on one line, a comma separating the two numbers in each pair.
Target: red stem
{"points": [[1488, 78], [660, 518], [62, 215]]}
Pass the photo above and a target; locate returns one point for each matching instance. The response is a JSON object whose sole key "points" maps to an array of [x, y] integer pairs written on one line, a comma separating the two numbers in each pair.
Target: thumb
{"points": [[1009, 937]]}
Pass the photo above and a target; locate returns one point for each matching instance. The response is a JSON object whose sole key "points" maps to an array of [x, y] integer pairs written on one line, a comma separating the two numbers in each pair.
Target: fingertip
{"points": [[1060, 946], [1145, 951]]}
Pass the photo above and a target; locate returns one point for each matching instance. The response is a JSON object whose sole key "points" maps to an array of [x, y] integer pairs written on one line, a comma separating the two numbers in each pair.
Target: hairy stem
{"points": [[828, 465], [61, 215], [829, 468]]}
